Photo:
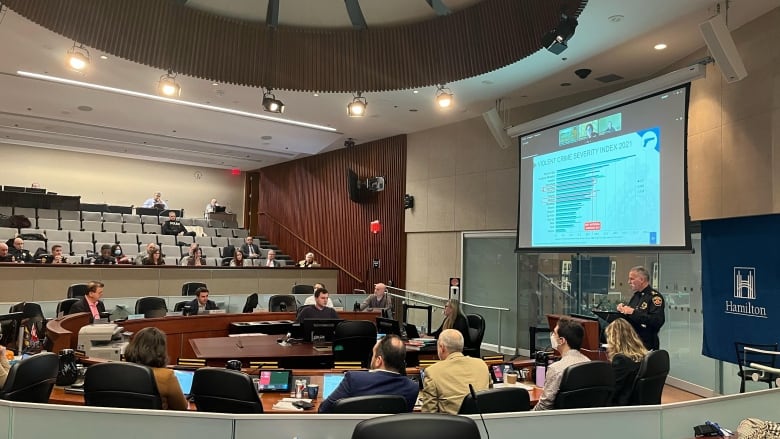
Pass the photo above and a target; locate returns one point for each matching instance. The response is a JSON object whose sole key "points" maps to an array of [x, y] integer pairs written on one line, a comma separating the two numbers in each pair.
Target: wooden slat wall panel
{"points": [[164, 34], [310, 197]]}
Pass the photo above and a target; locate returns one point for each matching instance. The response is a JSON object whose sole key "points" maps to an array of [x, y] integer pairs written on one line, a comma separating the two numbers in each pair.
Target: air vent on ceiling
{"points": [[609, 78]]}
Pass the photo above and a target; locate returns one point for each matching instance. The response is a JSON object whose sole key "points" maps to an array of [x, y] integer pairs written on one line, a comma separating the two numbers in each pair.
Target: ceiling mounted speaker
{"points": [[496, 125], [723, 49]]}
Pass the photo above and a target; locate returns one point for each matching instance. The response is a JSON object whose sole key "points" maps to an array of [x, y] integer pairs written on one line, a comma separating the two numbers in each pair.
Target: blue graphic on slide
{"points": [[602, 193]]}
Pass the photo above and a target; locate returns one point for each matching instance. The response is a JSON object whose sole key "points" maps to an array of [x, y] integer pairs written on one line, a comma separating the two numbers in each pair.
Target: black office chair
{"points": [[583, 385], [282, 302], [745, 358], [34, 323], [354, 340], [64, 306], [151, 306], [251, 303], [123, 385], [650, 380], [505, 399], [473, 346], [180, 305], [189, 288], [224, 391], [372, 404], [31, 379], [77, 291], [417, 426], [303, 289]]}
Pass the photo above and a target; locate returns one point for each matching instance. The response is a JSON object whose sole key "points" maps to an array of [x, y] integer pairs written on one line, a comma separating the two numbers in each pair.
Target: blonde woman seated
{"points": [[5, 366], [148, 348], [626, 351], [453, 319], [308, 261]]}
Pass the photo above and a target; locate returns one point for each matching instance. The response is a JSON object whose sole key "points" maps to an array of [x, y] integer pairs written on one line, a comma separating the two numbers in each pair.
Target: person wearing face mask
{"points": [[566, 338], [116, 252]]}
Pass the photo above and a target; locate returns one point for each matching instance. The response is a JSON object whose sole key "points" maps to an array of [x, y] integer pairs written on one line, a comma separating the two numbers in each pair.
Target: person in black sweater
{"points": [[319, 310], [174, 227], [454, 319], [625, 351], [105, 257]]}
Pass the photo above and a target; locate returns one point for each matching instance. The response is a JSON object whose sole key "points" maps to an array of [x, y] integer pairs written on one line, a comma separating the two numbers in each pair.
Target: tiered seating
{"points": [[82, 233]]}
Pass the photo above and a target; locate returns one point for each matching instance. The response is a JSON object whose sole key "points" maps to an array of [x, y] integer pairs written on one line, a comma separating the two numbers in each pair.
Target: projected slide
{"points": [[603, 193]]}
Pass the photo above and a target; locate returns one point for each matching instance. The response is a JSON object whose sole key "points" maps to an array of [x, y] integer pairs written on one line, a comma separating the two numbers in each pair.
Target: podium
{"points": [[590, 340], [608, 316], [225, 218]]}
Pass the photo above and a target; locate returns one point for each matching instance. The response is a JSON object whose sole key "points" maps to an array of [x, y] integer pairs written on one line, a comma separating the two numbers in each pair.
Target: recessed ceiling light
{"points": [[215, 84], [103, 57], [316, 95], [616, 18], [659, 46], [266, 137], [84, 108], [565, 84], [488, 82], [415, 91]]}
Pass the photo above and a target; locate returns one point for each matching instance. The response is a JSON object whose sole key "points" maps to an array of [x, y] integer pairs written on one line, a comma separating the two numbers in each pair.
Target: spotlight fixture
{"points": [[270, 103], [444, 96], [555, 40], [357, 108], [77, 57], [168, 86]]}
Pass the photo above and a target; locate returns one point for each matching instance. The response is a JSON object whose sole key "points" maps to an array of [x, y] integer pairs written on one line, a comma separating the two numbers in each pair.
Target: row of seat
{"points": [[76, 215], [124, 238], [105, 226]]}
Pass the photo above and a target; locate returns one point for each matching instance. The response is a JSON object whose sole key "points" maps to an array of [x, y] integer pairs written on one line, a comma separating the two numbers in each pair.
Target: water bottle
{"points": [[541, 368]]}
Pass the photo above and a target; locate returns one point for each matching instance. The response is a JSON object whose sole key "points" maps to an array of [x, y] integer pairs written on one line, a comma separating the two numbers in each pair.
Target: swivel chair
{"points": [[77, 291], [371, 404], [282, 302], [417, 426], [476, 333], [251, 303], [64, 306], [501, 400], [650, 380], [123, 385], [303, 289], [584, 385], [224, 391], [151, 306], [354, 340], [31, 379], [189, 288]]}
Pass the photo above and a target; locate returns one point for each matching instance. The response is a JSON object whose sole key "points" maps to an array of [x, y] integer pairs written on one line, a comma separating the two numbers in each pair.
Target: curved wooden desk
{"points": [[63, 331]]}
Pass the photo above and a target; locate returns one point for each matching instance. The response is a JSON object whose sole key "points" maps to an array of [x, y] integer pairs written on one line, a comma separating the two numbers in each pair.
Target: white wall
{"points": [[121, 181]]}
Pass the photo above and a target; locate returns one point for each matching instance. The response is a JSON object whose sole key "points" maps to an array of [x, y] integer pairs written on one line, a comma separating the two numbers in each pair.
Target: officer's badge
{"points": [[644, 305]]}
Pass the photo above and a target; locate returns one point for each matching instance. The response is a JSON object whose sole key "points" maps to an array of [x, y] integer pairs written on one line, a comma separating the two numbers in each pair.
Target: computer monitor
{"points": [[388, 326], [35, 190], [275, 380], [319, 330], [219, 209]]}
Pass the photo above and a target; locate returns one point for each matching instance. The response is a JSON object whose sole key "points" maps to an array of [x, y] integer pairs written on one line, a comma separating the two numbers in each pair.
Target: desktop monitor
{"points": [[219, 209], [275, 380], [319, 330], [388, 326]]}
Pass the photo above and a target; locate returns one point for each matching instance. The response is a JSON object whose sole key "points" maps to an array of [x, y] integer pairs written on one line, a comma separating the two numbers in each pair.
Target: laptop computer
{"points": [[411, 331], [330, 381], [185, 380], [219, 209]]}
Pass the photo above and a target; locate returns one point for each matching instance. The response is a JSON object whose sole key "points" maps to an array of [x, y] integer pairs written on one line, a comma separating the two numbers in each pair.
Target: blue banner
{"points": [[740, 283]]}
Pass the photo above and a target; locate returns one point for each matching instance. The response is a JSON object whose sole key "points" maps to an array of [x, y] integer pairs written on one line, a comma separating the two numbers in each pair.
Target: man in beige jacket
{"points": [[447, 382]]}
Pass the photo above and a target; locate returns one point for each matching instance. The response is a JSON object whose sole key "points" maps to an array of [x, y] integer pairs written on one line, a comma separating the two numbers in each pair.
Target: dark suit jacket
{"points": [[462, 325], [245, 250], [83, 306], [380, 382], [194, 306], [625, 370]]}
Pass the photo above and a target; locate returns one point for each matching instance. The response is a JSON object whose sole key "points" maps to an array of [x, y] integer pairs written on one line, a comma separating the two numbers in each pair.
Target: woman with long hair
{"points": [[238, 259], [197, 259], [625, 351], [454, 319], [155, 258], [149, 348]]}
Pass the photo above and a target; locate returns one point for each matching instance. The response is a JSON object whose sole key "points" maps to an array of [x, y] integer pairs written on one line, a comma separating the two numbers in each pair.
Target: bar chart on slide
{"points": [[601, 193]]}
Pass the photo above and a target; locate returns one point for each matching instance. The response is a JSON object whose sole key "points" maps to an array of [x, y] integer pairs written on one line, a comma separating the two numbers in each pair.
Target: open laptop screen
{"points": [[329, 383], [185, 380]]}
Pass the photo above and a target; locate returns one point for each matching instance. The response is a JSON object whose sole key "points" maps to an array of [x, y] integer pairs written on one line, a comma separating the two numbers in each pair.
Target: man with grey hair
{"points": [[378, 300], [645, 310], [156, 201], [270, 259], [19, 253], [4, 255], [308, 261], [446, 383]]}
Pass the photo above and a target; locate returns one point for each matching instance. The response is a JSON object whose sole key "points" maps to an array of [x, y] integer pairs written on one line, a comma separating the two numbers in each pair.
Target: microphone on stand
{"points": [[476, 404]]}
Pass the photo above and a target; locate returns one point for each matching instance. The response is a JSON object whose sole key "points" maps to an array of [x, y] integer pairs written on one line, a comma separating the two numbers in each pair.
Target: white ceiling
{"points": [[44, 114]]}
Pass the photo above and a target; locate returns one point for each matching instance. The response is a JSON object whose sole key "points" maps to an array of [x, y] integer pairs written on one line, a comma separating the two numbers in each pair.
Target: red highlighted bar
{"points": [[593, 225]]}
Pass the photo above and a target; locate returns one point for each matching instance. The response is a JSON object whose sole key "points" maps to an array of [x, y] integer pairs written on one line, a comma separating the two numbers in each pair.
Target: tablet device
{"points": [[497, 371], [275, 380]]}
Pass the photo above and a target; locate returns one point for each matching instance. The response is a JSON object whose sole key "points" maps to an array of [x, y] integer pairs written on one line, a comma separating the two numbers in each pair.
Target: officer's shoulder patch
{"points": [[658, 301]]}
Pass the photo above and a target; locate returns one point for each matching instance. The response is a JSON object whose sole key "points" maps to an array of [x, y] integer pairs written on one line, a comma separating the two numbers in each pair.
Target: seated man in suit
{"points": [[201, 302], [174, 227], [446, 383], [270, 259], [385, 377], [567, 339], [311, 300], [319, 310], [90, 302], [250, 249]]}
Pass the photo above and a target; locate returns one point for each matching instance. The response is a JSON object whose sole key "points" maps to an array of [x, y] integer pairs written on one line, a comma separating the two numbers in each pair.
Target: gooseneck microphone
{"points": [[476, 404]]}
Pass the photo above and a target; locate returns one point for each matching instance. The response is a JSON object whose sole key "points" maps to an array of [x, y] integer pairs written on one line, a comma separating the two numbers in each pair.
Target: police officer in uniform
{"points": [[174, 227], [645, 310]]}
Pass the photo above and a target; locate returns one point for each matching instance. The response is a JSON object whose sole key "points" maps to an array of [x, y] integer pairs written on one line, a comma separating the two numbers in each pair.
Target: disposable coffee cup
{"points": [[511, 378], [313, 390]]}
